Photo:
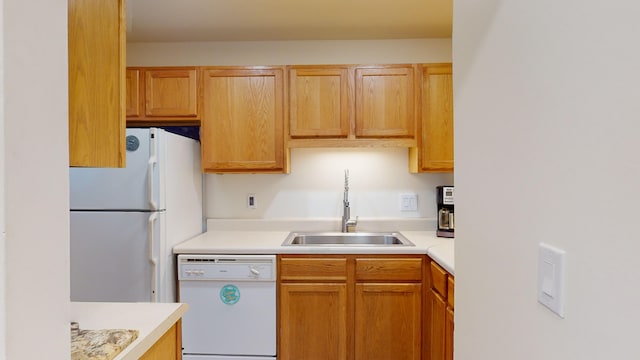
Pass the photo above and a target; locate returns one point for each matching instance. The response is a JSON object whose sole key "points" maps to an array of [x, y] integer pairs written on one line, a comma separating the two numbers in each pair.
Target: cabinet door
{"points": [[437, 325], [385, 102], [171, 92], [388, 321], [243, 120], [96, 83], [448, 334], [167, 347], [313, 321], [134, 107], [437, 118], [319, 102]]}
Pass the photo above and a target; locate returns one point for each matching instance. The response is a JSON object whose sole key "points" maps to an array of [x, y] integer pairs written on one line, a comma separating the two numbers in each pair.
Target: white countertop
{"points": [[270, 242], [152, 320], [443, 254]]}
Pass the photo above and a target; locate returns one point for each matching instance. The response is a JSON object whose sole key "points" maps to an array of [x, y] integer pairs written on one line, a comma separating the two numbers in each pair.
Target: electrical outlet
{"points": [[251, 201], [408, 202]]}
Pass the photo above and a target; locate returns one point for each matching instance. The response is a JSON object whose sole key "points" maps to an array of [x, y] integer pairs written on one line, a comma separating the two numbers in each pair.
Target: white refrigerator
{"points": [[124, 222]]}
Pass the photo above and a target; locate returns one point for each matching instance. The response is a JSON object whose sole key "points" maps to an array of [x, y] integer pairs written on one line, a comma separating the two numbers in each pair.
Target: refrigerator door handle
{"points": [[152, 162], [152, 258]]}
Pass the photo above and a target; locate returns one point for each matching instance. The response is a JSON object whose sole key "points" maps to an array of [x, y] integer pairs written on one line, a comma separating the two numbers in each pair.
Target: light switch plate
{"points": [[551, 278], [409, 202]]}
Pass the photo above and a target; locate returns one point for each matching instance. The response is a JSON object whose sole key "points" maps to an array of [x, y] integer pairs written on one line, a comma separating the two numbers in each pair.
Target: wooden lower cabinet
{"points": [[313, 321], [352, 307], [440, 314], [448, 334], [168, 347], [438, 309], [388, 321]]}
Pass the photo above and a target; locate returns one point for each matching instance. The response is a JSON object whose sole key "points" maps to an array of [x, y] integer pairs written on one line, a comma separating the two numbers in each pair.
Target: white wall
{"points": [[3, 244], [314, 187], [33, 106], [547, 122]]}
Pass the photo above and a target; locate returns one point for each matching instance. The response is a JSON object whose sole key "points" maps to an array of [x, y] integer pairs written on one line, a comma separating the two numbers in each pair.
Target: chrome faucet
{"points": [[348, 224]]}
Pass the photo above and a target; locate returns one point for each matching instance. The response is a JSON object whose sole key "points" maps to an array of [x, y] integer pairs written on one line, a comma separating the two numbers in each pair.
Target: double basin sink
{"points": [[346, 239]]}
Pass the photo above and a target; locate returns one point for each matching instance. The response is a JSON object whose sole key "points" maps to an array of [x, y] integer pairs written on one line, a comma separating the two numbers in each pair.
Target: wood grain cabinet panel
{"points": [[243, 120], [168, 347], [134, 106], [351, 307], [319, 101], [438, 279], [435, 146], [450, 292], [353, 105], [96, 41], [161, 96], [388, 321], [448, 334], [385, 101], [171, 92], [313, 321], [438, 308], [440, 314], [309, 269], [376, 269]]}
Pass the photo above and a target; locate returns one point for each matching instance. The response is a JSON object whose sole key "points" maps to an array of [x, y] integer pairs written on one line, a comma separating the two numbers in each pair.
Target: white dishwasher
{"points": [[232, 306]]}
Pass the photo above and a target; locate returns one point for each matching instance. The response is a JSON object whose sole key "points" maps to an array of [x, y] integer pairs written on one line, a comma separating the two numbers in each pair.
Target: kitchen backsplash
{"points": [[314, 188]]}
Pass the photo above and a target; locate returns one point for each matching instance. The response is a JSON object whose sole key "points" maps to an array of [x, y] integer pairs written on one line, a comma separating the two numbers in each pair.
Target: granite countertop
{"points": [[243, 238], [102, 344], [127, 329]]}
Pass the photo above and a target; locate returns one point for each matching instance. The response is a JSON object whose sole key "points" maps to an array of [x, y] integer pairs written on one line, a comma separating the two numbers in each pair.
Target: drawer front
{"points": [[439, 279], [450, 287], [305, 269], [381, 269]]}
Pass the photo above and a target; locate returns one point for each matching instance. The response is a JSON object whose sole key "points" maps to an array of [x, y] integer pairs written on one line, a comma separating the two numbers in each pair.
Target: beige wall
{"points": [[35, 305], [289, 52], [546, 106]]}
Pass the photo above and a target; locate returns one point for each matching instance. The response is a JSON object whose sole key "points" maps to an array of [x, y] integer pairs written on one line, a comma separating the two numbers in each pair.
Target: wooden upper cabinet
{"points": [[243, 120], [171, 92], [435, 149], [352, 105], [96, 35], [134, 107], [319, 101], [386, 101], [162, 96]]}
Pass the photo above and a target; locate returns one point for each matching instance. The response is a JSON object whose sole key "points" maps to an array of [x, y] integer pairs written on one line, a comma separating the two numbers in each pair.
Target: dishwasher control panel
{"points": [[227, 267]]}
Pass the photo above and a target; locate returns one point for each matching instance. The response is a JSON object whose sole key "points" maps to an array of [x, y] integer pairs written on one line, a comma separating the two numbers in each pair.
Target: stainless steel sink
{"points": [[346, 239]]}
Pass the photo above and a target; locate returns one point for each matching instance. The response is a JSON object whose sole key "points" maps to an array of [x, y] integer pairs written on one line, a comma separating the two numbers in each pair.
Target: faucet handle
{"points": [[351, 224]]}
